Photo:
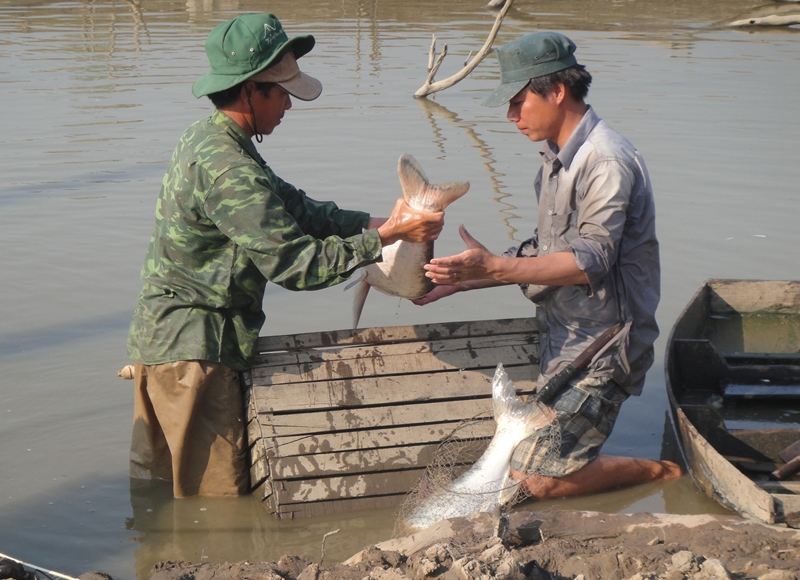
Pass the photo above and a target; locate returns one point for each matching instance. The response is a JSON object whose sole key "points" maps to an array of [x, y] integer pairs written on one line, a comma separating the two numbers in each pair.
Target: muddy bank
{"points": [[548, 545]]}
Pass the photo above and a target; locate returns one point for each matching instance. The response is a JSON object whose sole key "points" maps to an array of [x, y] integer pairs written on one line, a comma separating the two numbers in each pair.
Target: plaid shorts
{"points": [[586, 411]]}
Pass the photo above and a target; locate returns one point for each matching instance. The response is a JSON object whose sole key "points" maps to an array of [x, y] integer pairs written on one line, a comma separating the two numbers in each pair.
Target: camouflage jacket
{"points": [[225, 225]]}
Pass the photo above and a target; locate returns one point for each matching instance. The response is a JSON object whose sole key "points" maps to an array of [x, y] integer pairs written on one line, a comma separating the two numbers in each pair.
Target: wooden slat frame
{"points": [[349, 419]]}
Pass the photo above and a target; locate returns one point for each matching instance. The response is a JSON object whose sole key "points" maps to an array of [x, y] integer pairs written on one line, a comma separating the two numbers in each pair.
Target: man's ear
{"points": [[559, 91]]}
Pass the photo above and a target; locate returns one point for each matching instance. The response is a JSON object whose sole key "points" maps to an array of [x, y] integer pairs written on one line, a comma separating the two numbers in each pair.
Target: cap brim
{"points": [[213, 83], [504, 93], [303, 87]]}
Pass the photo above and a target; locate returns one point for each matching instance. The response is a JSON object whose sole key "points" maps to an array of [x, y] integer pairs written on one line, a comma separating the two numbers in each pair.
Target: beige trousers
{"points": [[188, 427]]}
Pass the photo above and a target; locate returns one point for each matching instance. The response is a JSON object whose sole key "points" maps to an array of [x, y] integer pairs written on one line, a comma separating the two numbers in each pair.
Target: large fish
{"points": [[401, 272], [487, 484]]}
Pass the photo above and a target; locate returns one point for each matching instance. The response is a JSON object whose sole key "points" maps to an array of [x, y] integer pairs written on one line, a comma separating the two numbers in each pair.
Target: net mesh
{"points": [[439, 490]]}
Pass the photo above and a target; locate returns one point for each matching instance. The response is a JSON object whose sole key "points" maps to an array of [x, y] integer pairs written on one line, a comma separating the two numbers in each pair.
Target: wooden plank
{"points": [[772, 486], [403, 358], [353, 462], [346, 486], [790, 451], [745, 296], [367, 460], [769, 442], [327, 421], [260, 491], [389, 390], [761, 391], [721, 480], [259, 472], [701, 366], [389, 334], [259, 468], [255, 430], [377, 438], [762, 358], [340, 422], [788, 505], [355, 352], [318, 508]]}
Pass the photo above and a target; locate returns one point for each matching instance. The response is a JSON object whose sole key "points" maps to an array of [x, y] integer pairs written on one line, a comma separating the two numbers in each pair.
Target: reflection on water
{"points": [[433, 110], [237, 529], [97, 93]]}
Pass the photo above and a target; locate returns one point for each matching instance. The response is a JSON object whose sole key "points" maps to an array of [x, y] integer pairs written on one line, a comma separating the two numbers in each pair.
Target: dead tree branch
{"points": [[431, 87]]}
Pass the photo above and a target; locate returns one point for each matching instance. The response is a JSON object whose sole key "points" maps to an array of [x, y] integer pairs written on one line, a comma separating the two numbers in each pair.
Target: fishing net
{"points": [[455, 455]]}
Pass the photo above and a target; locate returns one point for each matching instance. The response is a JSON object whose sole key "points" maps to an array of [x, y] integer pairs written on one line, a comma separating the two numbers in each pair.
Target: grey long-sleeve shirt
{"points": [[596, 201]]}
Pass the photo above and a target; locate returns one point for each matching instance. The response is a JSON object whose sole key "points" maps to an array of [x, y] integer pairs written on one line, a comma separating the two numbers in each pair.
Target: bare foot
{"points": [[671, 470]]}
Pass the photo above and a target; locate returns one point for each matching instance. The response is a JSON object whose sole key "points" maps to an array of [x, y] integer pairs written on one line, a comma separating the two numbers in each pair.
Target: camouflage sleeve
{"points": [[246, 206], [321, 219]]}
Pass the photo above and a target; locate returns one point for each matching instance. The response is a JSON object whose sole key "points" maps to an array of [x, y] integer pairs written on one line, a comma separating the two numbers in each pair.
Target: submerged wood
{"points": [[432, 86]]}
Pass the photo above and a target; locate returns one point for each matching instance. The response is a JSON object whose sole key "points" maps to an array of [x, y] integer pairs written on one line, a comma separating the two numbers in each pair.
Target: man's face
{"points": [[535, 116], [269, 109]]}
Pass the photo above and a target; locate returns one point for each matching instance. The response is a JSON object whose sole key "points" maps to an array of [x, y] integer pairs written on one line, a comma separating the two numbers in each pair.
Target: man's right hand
{"points": [[410, 225], [439, 291]]}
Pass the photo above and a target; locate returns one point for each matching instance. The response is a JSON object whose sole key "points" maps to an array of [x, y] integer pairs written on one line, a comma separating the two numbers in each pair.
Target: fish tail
{"points": [[418, 191], [438, 197]]}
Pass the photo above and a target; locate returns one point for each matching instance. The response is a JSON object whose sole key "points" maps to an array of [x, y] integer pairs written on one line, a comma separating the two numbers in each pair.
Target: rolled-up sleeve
{"points": [[601, 218]]}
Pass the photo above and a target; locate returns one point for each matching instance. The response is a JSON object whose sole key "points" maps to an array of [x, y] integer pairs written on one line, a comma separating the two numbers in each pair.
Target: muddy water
{"points": [[95, 96]]}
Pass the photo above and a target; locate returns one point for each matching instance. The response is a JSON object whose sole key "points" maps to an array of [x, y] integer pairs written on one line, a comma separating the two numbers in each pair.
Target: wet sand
{"points": [[549, 544]]}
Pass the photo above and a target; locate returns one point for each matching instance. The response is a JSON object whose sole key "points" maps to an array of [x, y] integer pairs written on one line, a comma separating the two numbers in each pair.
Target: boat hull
{"points": [[731, 349]]}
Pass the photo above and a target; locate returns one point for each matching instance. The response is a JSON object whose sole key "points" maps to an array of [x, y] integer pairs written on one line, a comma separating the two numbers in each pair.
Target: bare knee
{"points": [[538, 486]]}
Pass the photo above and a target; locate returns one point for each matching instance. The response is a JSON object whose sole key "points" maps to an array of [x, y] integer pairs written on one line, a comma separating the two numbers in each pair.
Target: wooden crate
{"points": [[349, 419]]}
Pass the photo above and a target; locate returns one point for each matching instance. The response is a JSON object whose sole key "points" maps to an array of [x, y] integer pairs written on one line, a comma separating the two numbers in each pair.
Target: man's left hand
{"points": [[474, 263]]}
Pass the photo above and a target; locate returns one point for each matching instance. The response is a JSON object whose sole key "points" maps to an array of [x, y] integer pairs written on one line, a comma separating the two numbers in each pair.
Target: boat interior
{"points": [[736, 377]]}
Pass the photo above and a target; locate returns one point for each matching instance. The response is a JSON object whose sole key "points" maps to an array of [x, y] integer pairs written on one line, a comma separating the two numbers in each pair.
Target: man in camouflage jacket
{"points": [[225, 225]]}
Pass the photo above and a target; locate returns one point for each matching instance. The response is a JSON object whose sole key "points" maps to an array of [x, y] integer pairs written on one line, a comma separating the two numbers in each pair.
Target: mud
{"points": [[548, 545]]}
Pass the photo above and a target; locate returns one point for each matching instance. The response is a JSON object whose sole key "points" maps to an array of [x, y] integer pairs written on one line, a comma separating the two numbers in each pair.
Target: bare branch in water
{"points": [[322, 557], [432, 86]]}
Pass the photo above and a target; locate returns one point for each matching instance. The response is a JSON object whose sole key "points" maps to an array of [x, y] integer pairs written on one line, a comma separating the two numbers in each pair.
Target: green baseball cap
{"points": [[239, 48], [531, 56]]}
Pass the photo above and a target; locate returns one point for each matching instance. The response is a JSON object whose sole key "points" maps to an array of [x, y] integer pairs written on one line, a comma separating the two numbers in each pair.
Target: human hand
{"points": [[475, 263], [439, 291], [410, 225]]}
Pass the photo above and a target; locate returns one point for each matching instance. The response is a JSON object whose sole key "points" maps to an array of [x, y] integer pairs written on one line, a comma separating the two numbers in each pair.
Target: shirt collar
{"points": [[578, 137], [235, 130]]}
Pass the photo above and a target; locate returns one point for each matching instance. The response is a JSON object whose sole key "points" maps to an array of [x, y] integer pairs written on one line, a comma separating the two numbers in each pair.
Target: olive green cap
{"points": [[531, 56], [239, 48]]}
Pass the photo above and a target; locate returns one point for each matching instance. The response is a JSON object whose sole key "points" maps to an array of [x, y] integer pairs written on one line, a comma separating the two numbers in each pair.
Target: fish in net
{"points": [[470, 473]]}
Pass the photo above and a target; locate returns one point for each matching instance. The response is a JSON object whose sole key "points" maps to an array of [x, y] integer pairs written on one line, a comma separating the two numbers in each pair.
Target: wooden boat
{"points": [[733, 381], [347, 420]]}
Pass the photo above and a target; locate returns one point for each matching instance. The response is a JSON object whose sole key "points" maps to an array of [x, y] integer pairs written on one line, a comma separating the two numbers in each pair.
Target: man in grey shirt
{"points": [[592, 263]]}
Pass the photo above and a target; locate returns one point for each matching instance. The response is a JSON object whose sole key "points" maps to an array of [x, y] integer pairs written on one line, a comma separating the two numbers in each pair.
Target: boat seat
{"points": [[704, 368], [761, 390]]}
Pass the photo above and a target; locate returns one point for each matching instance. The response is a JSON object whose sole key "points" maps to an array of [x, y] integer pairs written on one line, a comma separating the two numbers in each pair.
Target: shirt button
{"points": [[549, 212], [544, 247]]}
